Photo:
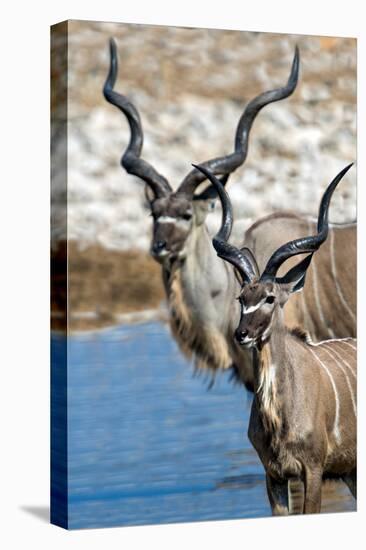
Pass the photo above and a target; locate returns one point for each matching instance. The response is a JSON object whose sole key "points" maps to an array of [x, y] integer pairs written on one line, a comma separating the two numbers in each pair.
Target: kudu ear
{"points": [[210, 193], [201, 209], [149, 194], [205, 202], [294, 279]]}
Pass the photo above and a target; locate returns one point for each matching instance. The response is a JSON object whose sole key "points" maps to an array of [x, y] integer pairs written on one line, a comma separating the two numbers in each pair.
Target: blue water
{"points": [[148, 442]]}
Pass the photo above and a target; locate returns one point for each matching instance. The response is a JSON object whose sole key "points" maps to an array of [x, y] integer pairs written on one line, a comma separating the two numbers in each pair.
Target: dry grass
{"points": [[170, 62], [104, 282]]}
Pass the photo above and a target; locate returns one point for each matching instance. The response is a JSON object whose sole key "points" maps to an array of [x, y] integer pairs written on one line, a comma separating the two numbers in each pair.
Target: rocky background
{"points": [[190, 87]]}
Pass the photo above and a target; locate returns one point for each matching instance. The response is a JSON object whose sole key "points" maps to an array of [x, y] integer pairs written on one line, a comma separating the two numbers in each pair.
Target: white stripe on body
{"points": [[344, 361], [316, 293], [336, 431], [334, 274], [328, 351], [350, 345], [344, 340]]}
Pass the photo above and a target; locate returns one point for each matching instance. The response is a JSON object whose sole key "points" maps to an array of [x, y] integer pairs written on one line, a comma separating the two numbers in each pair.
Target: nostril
{"points": [[240, 334], [159, 245]]}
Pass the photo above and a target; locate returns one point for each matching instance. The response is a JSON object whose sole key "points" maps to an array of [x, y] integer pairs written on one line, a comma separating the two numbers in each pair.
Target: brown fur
{"points": [[269, 218], [303, 419], [327, 306], [303, 422]]}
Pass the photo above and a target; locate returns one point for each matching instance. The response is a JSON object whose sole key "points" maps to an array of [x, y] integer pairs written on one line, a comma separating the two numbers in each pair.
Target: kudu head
{"points": [[176, 213], [262, 294]]}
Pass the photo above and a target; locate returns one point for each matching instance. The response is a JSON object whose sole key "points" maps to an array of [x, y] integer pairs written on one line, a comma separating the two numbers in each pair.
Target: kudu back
{"points": [[327, 306], [303, 419], [198, 286]]}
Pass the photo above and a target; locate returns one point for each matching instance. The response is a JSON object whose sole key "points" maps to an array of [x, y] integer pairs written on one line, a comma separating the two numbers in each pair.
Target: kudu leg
{"points": [[278, 496], [296, 496], [351, 482], [313, 490]]}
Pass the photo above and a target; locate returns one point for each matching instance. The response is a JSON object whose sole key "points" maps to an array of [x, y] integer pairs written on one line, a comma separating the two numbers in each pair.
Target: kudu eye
{"points": [[187, 216], [270, 299]]}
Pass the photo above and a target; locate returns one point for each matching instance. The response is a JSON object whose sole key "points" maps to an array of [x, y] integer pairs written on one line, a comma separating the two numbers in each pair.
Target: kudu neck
{"points": [[200, 292], [198, 241], [208, 284], [272, 356], [200, 258], [272, 376]]}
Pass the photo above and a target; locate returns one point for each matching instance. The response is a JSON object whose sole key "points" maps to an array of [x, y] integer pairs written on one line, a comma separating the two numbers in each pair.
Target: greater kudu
{"points": [[201, 318], [303, 418]]}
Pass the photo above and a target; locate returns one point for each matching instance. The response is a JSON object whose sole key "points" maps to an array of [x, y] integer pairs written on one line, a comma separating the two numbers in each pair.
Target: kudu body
{"points": [[199, 287], [326, 308], [303, 417]]}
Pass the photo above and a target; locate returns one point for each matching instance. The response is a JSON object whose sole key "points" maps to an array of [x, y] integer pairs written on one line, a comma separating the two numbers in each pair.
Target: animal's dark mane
{"points": [[300, 334]]}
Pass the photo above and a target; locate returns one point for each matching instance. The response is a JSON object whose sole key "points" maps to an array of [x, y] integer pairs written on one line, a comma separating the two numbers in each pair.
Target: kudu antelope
{"points": [[201, 318], [303, 417], [327, 306]]}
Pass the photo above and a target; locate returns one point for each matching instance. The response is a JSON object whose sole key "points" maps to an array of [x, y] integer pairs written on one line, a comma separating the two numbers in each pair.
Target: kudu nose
{"points": [[158, 246], [240, 334]]}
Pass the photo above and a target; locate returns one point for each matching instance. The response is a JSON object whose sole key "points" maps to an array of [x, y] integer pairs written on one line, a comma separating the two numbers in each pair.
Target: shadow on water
{"points": [[336, 497], [148, 443], [241, 482], [40, 512]]}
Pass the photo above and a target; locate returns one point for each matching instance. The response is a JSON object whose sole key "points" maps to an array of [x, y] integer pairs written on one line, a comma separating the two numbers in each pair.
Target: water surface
{"points": [[149, 443]]}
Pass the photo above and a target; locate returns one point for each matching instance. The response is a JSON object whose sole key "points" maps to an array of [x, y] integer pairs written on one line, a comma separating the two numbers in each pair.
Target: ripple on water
{"points": [[148, 443]]}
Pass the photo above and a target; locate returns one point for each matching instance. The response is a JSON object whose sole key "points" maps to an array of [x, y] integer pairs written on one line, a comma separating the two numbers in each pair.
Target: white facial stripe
{"points": [[176, 221], [250, 309], [166, 219]]}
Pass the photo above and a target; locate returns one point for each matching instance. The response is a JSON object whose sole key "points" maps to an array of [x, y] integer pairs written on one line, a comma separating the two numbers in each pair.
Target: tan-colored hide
{"points": [[326, 307]]}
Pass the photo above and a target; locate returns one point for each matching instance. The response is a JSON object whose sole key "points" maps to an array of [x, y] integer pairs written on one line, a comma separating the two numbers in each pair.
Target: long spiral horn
{"points": [[131, 160], [229, 163], [305, 244], [225, 250]]}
